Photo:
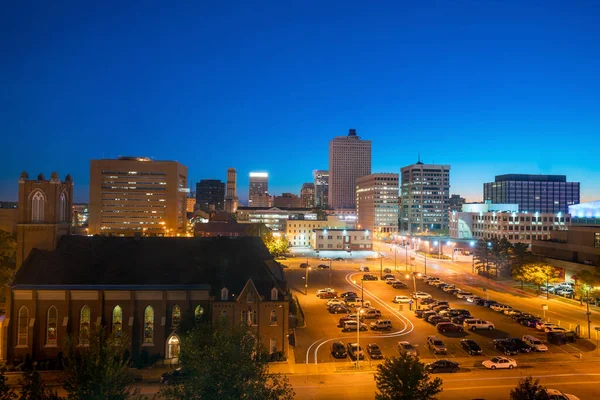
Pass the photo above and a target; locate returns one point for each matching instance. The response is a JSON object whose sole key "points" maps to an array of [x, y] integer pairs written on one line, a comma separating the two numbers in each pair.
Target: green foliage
{"points": [[33, 388], [405, 378], [539, 273], [529, 389], [225, 362], [99, 371], [8, 254], [6, 393], [277, 245]]}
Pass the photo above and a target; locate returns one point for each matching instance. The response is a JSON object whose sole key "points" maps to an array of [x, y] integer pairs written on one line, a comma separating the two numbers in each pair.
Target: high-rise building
{"points": [[377, 203], [307, 194], [349, 159], [231, 199], [190, 204], [137, 196], [425, 192], [455, 202], [210, 195], [321, 179], [259, 186], [286, 200], [533, 193], [44, 213]]}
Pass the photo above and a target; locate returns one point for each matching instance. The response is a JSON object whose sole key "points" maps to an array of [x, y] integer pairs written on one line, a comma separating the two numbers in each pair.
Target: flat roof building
{"points": [[377, 203], [137, 196], [210, 195], [321, 179]]}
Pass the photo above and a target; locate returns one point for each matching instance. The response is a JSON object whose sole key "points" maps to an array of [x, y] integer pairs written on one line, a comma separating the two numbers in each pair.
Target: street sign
{"points": [[544, 306]]}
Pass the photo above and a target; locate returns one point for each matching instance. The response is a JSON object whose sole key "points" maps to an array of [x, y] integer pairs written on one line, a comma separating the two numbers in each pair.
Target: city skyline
{"points": [[475, 86]]}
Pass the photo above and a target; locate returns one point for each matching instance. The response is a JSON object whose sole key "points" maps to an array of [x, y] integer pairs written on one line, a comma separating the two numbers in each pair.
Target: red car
{"points": [[328, 295], [448, 327]]}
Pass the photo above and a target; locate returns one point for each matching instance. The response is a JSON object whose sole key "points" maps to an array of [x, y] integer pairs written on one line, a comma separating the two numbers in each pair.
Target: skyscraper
{"points": [[349, 159], [137, 196], [307, 194], [533, 193], [321, 179], [377, 204], [425, 193], [210, 195], [231, 199], [259, 186]]}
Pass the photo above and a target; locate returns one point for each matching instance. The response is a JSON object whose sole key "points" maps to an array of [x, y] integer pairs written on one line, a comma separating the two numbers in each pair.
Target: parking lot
{"points": [[314, 340]]}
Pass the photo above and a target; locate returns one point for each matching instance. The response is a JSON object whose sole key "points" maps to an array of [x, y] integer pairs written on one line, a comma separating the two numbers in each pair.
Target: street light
{"points": [[306, 280], [426, 251], [473, 256], [362, 290], [414, 276]]}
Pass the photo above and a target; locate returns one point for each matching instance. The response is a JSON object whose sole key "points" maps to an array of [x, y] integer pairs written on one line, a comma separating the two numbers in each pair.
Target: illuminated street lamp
{"points": [[472, 244], [426, 251], [306, 279], [414, 276]]}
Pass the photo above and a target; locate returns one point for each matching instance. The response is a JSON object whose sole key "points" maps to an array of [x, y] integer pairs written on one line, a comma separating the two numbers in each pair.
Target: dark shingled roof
{"points": [[120, 262]]}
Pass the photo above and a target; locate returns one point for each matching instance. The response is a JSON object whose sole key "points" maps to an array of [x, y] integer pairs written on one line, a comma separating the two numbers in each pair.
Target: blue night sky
{"points": [[489, 87]]}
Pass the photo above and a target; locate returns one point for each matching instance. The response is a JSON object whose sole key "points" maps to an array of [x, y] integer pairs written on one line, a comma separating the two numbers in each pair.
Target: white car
{"points": [[535, 343], [499, 363], [449, 288], [407, 347], [402, 299], [500, 307], [558, 395], [421, 295], [335, 301], [325, 290], [559, 329], [472, 299], [390, 280], [540, 326]]}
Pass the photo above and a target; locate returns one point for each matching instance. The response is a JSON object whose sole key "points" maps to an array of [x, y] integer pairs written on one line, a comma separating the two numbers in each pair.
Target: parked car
{"points": [[448, 327], [443, 307], [471, 347], [558, 395], [421, 295], [334, 302], [439, 303], [512, 312], [419, 313], [500, 307], [374, 351], [387, 276], [436, 345], [399, 285], [460, 319], [402, 299], [460, 311], [475, 324], [535, 343], [391, 281], [381, 324], [355, 302], [338, 350], [371, 313], [473, 299], [369, 277], [453, 291], [521, 345], [530, 322], [363, 268], [327, 295], [355, 351], [555, 329], [350, 326], [344, 319], [339, 309], [543, 325], [500, 363], [407, 347], [448, 287], [490, 303], [387, 270], [506, 347], [426, 301], [556, 338], [174, 377], [348, 294], [437, 319], [463, 294], [324, 290], [480, 302], [442, 366], [428, 314], [323, 266]]}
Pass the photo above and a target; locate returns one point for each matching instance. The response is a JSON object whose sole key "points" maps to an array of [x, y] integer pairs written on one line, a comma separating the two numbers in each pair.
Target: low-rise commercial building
{"points": [[298, 232], [288, 200], [274, 218], [341, 239]]}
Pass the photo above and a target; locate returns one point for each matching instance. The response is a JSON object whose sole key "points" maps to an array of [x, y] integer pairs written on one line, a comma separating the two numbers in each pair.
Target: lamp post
{"points": [[357, 339], [381, 267], [473, 256], [406, 257], [414, 276], [426, 251], [395, 253], [306, 280], [330, 269], [587, 313]]}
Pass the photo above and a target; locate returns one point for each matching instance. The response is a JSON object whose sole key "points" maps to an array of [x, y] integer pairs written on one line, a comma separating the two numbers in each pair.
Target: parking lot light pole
{"points": [[306, 281], [330, 269], [406, 257], [395, 253], [357, 338]]}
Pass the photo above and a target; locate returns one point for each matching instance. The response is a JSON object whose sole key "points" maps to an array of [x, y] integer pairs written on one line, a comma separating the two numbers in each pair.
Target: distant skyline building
{"points": [[349, 159], [287, 200], [455, 202], [533, 193], [321, 181], [231, 199], [307, 195], [133, 196], [210, 195], [377, 203], [259, 186], [425, 193]]}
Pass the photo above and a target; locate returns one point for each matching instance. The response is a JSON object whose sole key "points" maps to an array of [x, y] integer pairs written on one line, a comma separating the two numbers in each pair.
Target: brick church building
{"points": [[139, 286]]}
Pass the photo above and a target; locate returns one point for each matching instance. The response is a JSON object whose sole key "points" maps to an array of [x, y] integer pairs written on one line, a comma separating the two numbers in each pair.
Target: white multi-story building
{"points": [[274, 218], [298, 232], [497, 221], [377, 203], [425, 193], [321, 179], [258, 188], [341, 239], [349, 159]]}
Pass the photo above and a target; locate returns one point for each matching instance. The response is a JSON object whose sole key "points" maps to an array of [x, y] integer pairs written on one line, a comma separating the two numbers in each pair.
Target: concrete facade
{"points": [[580, 244], [341, 239], [274, 218], [321, 181], [298, 232], [307, 195], [377, 204], [231, 199]]}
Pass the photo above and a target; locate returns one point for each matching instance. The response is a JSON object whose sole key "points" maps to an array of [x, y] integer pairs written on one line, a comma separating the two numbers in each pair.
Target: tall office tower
{"points": [[377, 203], [137, 196], [425, 192], [210, 195], [44, 213], [259, 186], [533, 193], [231, 200], [349, 159], [307, 194], [321, 179]]}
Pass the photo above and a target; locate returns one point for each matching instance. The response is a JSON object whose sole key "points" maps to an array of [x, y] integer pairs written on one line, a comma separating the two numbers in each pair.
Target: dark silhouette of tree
{"points": [[529, 389], [405, 378]]}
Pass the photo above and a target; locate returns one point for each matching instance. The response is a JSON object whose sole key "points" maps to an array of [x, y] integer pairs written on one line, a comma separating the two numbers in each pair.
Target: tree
{"points": [[32, 387], [519, 256], [586, 283], [529, 389], [405, 378], [99, 371], [539, 273], [8, 254], [226, 362], [6, 393]]}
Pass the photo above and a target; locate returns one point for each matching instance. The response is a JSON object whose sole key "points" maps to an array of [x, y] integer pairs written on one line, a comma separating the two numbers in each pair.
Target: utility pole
{"points": [[588, 316], [330, 269], [381, 267], [395, 253]]}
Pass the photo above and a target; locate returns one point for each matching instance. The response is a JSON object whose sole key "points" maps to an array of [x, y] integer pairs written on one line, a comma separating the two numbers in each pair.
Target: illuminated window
{"points": [[23, 327], [176, 316], [37, 207], [597, 239], [149, 325], [84, 326], [51, 326], [62, 208], [117, 321]]}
